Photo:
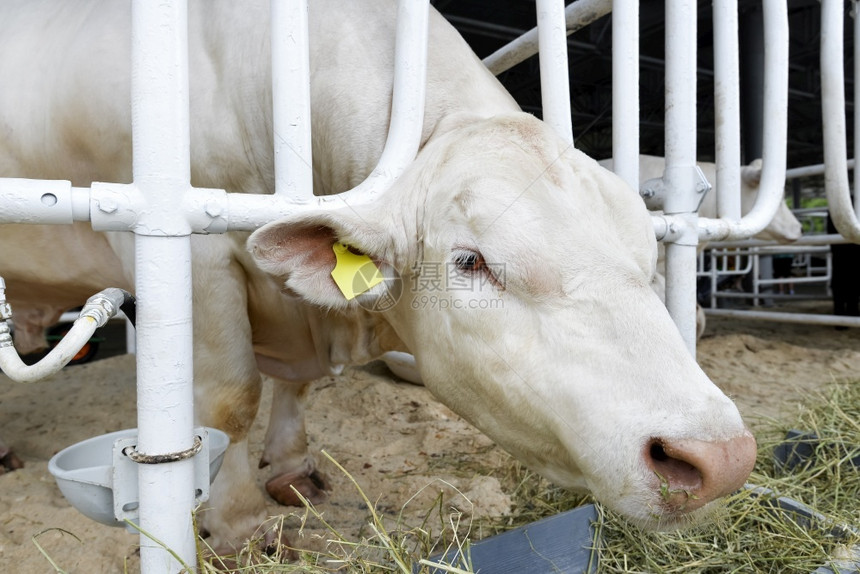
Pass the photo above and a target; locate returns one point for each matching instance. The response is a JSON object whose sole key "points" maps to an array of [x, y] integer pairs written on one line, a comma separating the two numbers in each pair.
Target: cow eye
{"points": [[469, 261]]}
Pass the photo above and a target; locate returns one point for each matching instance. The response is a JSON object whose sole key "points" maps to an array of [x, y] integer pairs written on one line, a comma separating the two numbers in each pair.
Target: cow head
{"points": [[526, 299], [784, 227]]}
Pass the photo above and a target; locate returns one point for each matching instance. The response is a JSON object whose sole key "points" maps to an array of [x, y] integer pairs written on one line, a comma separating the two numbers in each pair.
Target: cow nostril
{"points": [[675, 473], [657, 452], [689, 473]]}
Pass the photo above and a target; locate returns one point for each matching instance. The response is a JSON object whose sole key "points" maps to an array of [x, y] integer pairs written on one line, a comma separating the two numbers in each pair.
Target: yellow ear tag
{"points": [[354, 274]]}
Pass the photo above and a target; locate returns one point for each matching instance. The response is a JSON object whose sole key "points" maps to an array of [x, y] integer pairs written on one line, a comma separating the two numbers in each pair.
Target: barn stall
{"points": [[475, 490]]}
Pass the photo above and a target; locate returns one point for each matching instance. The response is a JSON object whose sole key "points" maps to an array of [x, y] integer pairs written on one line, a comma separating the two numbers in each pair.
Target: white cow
{"points": [[784, 227], [575, 368]]}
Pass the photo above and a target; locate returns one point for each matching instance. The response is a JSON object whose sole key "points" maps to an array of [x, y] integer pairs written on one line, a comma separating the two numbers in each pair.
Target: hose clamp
{"points": [[5, 311], [131, 452], [5, 335]]}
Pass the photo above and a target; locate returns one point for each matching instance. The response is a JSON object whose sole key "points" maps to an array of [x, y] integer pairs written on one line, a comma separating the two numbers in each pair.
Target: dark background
{"points": [[489, 24]]}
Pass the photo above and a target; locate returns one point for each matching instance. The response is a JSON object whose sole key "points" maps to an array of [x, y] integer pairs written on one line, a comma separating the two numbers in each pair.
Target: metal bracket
{"points": [[126, 499], [653, 191]]}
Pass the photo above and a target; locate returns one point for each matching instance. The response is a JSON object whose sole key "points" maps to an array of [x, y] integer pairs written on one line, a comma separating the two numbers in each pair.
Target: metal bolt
{"points": [[213, 209], [107, 205]]}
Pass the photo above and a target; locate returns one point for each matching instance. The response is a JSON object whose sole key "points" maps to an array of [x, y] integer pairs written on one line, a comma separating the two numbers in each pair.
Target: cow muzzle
{"points": [[690, 473]]}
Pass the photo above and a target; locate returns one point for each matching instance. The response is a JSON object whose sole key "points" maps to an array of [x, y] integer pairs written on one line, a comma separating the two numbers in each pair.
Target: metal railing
{"points": [[726, 264], [162, 209]]}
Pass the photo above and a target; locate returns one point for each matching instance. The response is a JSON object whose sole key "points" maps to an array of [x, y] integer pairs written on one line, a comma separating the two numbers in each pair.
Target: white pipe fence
{"points": [[162, 175], [771, 188], [577, 15], [625, 81], [148, 207], [681, 198], [833, 111], [728, 123], [741, 258], [808, 170], [554, 82], [291, 118], [732, 260]]}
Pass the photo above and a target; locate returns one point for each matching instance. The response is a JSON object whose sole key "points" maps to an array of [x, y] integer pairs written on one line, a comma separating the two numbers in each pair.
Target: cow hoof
{"points": [[274, 546], [9, 462], [278, 547], [310, 486]]}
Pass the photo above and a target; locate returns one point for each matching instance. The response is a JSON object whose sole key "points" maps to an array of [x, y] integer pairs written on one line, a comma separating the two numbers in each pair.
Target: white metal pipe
{"points": [[161, 170], [809, 170], [12, 365], [130, 344], [116, 206], [577, 15], [407, 108], [95, 313], [806, 318], [681, 281], [119, 206], [666, 227], [777, 249], [409, 90], [554, 71], [130, 338], [679, 174], [165, 398], [247, 212], [291, 100], [791, 280], [833, 118], [824, 239], [38, 201], [727, 109], [854, 14], [160, 96], [758, 296], [625, 91], [771, 189], [80, 204]]}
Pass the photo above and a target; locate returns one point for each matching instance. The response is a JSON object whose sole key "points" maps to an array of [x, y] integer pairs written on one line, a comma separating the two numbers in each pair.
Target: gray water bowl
{"points": [[85, 471]]}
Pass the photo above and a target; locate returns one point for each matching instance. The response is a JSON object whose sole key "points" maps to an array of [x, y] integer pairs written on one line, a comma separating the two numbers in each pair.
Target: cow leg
{"points": [[227, 387], [8, 460], [228, 401], [286, 448]]}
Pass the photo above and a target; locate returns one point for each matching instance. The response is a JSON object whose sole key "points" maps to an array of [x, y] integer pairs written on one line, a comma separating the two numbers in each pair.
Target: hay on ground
{"points": [[749, 533]]}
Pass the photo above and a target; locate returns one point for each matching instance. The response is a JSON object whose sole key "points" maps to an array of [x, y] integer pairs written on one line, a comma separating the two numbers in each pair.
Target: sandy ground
{"points": [[392, 436]]}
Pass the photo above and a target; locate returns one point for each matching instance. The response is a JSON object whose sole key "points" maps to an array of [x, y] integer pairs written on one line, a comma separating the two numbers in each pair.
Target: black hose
{"points": [[128, 306]]}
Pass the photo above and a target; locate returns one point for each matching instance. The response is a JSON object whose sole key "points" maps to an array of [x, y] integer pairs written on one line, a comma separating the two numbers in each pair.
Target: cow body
{"points": [[560, 374]]}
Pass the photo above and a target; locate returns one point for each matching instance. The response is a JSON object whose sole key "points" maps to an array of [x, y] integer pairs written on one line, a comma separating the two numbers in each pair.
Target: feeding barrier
{"points": [[163, 210]]}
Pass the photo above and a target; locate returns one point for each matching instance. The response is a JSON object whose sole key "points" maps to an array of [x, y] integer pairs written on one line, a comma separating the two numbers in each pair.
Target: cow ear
{"points": [[301, 251], [751, 174]]}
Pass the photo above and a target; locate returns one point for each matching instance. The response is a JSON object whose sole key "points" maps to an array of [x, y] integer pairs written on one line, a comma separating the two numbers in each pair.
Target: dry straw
{"points": [[747, 535]]}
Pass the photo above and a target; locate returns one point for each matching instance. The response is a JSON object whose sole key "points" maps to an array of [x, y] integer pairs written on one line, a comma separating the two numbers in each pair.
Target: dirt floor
{"points": [[392, 436]]}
